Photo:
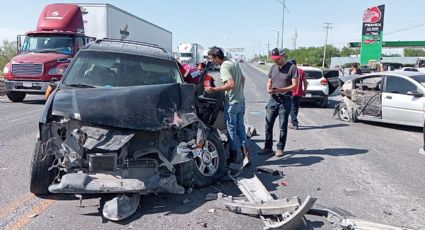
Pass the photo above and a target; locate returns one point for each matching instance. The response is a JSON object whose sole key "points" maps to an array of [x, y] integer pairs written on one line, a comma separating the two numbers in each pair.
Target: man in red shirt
{"points": [[297, 93]]}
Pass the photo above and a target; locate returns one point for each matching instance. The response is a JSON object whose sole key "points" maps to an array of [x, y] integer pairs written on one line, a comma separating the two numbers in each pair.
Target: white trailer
{"points": [[191, 53], [108, 21]]}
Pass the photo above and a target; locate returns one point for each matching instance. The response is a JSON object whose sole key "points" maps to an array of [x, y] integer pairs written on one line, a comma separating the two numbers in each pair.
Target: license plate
{"points": [[308, 95], [27, 84]]}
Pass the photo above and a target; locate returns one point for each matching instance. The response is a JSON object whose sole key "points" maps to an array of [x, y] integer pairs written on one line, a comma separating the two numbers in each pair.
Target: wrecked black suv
{"points": [[122, 122]]}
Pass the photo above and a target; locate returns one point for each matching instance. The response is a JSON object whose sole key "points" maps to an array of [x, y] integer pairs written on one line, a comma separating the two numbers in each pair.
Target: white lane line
{"points": [[17, 119]]}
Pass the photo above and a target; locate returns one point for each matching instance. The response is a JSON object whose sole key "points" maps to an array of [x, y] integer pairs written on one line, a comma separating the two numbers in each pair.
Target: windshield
{"points": [[48, 43], [92, 68], [186, 55], [313, 74], [420, 79]]}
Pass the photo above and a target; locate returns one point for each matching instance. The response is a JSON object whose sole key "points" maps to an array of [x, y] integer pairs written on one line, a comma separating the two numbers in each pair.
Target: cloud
{"points": [[224, 37]]}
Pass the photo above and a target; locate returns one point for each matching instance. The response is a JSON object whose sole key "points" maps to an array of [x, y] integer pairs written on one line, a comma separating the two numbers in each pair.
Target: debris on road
{"points": [[211, 196], [211, 210], [387, 212], [283, 183], [273, 172], [286, 213], [32, 216], [341, 222], [203, 224]]}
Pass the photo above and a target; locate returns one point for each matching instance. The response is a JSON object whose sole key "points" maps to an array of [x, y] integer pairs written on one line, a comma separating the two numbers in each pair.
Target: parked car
{"points": [[122, 121], [412, 69], [392, 97], [262, 62], [318, 86]]}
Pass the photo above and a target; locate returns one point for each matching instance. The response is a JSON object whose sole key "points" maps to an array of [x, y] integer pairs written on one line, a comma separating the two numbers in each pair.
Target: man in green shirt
{"points": [[232, 81]]}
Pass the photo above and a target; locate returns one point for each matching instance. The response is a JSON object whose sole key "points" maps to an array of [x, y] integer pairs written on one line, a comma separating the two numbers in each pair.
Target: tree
{"points": [[7, 52], [347, 51], [412, 52]]}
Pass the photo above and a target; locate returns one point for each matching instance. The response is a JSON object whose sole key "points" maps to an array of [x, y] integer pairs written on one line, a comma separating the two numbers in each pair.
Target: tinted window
{"points": [[420, 79], [311, 74], [399, 85], [118, 70]]}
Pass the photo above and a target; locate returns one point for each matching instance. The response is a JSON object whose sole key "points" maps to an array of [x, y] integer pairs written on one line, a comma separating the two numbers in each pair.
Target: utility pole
{"points": [[327, 27], [294, 38], [268, 48], [283, 21], [277, 38]]}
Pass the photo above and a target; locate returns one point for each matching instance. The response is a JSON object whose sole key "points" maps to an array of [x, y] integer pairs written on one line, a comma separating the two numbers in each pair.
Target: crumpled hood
{"points": [[151, 107], [38, 57]]}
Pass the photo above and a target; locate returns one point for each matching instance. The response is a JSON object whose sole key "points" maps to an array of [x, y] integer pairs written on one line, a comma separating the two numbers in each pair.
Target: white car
{"points": [[392, 97], [411, 69], [318, 86]]}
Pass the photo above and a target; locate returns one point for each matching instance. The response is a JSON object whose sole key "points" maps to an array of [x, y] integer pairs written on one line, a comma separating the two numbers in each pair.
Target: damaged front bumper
{"points": [[81, 183]]}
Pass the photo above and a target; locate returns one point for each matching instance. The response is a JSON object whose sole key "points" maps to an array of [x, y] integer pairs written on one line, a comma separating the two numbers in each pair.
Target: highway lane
{"points": [[366, 169]]}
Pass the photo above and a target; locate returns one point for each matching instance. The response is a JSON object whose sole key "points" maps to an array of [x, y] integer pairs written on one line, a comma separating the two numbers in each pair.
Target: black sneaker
{"points": [[266, 151]]}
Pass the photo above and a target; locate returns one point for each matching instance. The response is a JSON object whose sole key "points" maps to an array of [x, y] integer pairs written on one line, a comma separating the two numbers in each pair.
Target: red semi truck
{"points": [[61, 30], [44, 54]]}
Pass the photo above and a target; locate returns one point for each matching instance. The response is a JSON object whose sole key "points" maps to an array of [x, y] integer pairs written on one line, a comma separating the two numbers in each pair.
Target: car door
{"points": [[397, 106]]}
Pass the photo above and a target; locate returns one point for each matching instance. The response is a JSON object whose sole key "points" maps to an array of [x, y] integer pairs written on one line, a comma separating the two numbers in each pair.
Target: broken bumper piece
{"points": [[87, 184], [280, 213], [80, 183]]}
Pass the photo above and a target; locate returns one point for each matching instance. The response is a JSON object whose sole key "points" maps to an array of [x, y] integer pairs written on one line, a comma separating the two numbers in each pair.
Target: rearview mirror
{"points": [[415, 93]]}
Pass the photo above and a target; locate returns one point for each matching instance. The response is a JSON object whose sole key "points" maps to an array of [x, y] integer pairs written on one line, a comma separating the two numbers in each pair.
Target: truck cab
{"points": [[46, 52]]}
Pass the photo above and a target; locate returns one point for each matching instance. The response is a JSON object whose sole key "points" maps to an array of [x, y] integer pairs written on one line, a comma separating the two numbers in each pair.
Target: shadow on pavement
{"points": [[305, 127], [394, 126]]}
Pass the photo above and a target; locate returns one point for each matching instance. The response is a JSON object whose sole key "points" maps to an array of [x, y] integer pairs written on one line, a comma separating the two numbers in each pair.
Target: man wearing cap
{"points": [[283, 78], [232, 81]]}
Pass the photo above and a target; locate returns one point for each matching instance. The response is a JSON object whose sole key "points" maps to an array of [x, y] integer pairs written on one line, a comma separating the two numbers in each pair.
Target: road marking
{"points": [[27, 217], [17, 119], [12, 206]]}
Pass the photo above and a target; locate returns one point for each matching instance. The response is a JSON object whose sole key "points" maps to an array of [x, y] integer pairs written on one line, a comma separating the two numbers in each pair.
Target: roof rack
{"points": [[130, 42]]}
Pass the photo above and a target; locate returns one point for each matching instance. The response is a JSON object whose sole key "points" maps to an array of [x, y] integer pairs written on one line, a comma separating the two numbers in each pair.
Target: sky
{"points": [[246, 23]]}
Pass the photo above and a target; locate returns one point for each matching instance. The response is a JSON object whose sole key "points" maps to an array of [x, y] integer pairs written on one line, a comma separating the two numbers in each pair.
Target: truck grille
{"points": [[27, 69]]}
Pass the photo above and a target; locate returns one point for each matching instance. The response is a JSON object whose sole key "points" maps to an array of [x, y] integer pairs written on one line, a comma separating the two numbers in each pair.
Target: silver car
{"points": [[392, 97]]}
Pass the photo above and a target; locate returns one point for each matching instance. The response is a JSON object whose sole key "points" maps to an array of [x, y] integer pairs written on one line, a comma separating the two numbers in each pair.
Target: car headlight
{"points": [[56, 71], [6, 70]]}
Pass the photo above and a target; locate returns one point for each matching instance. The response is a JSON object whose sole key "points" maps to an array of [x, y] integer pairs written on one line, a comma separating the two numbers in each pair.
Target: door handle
{"points": [[389, 97]]}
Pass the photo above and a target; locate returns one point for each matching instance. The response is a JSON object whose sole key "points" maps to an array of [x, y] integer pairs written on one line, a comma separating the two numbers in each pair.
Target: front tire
{"points": [[40, 176], [345, 114], [210, 165], [15, 96]]}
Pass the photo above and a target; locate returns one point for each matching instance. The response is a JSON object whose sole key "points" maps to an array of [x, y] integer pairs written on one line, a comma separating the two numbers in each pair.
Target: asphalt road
{"points": [[368, 170]]}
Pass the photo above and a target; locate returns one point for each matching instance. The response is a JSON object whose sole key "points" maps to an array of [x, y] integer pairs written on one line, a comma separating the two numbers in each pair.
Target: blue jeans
{"points": [[294, 109], [234, 115], [274, 108]]}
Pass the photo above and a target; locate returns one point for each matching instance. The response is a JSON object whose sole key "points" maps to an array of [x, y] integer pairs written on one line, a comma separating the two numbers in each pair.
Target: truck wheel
{"points": [[324, 102], [40, 176], [16, 96], [211, 163]]}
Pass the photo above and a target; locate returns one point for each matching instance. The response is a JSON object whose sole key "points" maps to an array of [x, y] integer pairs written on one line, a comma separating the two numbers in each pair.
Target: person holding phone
{"points": [[283, 78]]}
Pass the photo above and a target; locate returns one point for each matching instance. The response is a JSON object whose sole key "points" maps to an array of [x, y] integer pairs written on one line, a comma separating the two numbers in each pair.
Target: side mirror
{"points": [[415, 93], [19, 42]]}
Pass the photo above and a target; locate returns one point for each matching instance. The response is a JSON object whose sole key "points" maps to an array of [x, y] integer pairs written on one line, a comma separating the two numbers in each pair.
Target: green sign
{"points": [[373, 26]]}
